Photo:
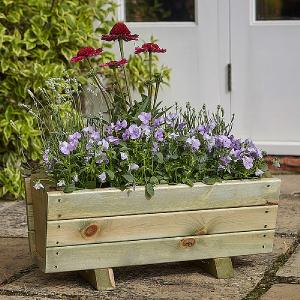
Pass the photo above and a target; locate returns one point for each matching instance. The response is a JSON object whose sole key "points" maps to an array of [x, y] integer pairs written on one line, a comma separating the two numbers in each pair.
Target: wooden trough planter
{"points": [[95, 230]]}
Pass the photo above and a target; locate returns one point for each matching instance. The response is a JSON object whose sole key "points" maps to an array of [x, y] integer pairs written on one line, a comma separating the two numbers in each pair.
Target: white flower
{"points": [[38, 186], [75, 178], [124, 156], [61, 183]]}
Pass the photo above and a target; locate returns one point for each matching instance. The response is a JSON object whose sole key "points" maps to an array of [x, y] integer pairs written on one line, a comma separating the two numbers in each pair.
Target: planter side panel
{"points": [[113, 202], [160, 225], [94, 256]]}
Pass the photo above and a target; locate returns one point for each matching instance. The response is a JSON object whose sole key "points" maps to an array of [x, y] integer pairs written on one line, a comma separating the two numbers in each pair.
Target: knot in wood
{"points": [[90, 230], [187, 243]]}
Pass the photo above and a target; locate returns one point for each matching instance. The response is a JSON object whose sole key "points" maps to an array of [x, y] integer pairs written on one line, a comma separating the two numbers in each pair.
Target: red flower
{"points": [[120, 32], [86, 52], [149, 47], [115, 63]]}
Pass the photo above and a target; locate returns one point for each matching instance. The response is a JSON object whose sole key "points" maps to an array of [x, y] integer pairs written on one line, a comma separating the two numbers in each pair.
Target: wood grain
{"points": [[100, 279], [113, 202], [148, 226], [106, 255]]}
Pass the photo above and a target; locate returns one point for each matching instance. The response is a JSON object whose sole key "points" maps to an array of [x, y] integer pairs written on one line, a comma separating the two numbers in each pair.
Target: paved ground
{"points": [[269, 276]]}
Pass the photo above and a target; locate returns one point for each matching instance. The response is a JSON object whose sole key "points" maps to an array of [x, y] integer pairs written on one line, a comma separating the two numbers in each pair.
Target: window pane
{"points": [[277, 10], [160, 10]]}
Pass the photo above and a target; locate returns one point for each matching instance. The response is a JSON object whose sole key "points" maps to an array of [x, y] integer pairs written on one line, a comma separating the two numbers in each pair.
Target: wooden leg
{"points": [[100, 279], [218, 267]]}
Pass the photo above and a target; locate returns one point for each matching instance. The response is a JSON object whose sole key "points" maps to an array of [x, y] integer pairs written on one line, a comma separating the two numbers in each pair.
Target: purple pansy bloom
{"points": [[46, 156], [173, 136], [223, 141], [181, 125], [102, 177], [259, 172], [126, 135], [247, 162], [225, 160], [124, 156], [159, 134], [155, 148], [195, 143], [145, 117], [110, 128], [114, 140], [158, 121], [146, 129], [75, 136], [64, 148], [133, 167], [104, 143], [88, 129], [95, 135], [134, 131], [120, 125]]}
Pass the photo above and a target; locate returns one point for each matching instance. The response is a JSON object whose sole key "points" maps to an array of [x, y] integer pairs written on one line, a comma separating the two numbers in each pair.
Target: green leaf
{"points": [[69, 188], [211, 180], [154, 180], [160, 157], [110, 174], [129, 178], [149, 190]]}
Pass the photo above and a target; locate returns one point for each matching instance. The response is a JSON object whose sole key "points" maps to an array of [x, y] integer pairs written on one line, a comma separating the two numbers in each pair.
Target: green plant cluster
{"points": [[37, 39]]}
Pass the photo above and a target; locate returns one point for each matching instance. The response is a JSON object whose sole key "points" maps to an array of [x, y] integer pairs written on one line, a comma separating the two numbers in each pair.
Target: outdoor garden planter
{"points": [[104, 228]]}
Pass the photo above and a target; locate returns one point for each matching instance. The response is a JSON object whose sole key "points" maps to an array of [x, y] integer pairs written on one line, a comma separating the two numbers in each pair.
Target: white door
{"points": [[196, 36], [265, 54]]}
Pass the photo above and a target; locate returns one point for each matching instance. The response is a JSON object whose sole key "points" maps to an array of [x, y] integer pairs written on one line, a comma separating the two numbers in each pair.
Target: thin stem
{"points": [[119, 86], [101, 88], [150, 78], [156, 91], [121, 46]]}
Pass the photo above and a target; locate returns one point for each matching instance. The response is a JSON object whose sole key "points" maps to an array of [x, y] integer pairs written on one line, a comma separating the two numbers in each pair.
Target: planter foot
{"points": [[100, 279], [218, 267]]}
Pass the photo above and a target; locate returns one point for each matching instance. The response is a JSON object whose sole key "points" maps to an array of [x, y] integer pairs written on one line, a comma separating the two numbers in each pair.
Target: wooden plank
{"points": [[111, 202], [100, 279], [220, 267], [109, 255], [148, 226], [28, 190], [32, 246], [30, 217], [39, 198]]}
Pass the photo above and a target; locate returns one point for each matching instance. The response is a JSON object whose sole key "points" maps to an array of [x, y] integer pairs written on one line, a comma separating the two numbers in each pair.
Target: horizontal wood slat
{"points": [[93, 256], [113, 202], [149, 226]]}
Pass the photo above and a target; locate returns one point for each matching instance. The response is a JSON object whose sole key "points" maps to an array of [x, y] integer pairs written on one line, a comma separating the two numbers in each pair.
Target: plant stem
{"points": [[121, 46], [119, 87], [156, 91], [101, 88], [150, 78]]}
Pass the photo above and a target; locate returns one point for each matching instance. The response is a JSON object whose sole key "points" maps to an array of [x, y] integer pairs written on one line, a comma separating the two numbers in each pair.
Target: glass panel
{"points": [[272, 10], [160, 10]]}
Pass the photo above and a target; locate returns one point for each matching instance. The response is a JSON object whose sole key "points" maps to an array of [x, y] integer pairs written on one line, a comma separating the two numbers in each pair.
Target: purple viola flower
{"points": [[223, 141], [102, 157], [88, 129], [146, 129], [158, 121], [259, 172], [255, 152], [46, 156], [64, 148], [155, 147], [133, 167], [211, 142], [95, 135], [110, 128], [225, 160], [102, 177], [159, 135], [73, 145], [145, 117], [89, 144], [181, 125], [134, 131], [74, 137], [104, 143], [237, 154], [194, 143], [124, 156], [235, 143], [247, 162], [114, 140], [120, 125], [126, 135]]}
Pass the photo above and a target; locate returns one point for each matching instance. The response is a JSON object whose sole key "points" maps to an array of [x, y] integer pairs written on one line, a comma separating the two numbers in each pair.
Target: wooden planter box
{"points": [[104, 228]]}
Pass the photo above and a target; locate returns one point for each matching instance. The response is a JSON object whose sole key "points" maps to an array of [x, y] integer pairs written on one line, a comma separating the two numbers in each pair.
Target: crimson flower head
{"points": [[149, 47], [115, 63], [85, 52], [120, 32]]}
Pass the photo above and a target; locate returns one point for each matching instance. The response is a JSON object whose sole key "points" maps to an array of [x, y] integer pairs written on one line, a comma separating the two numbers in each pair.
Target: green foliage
{"points": [[37, 39]]}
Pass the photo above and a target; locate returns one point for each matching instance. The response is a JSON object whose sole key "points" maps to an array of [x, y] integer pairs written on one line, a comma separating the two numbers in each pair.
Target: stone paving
{"points": [[21, 280]]}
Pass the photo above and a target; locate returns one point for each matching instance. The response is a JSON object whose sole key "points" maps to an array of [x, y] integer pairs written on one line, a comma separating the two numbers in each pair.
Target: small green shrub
{"points": [[37, 39]]}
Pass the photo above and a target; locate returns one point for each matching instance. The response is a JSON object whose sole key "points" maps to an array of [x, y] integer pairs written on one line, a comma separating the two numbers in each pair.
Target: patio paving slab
{"points": [[163, 281], [14, 257], [283, 292], [290, 184], [291, 268]]}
